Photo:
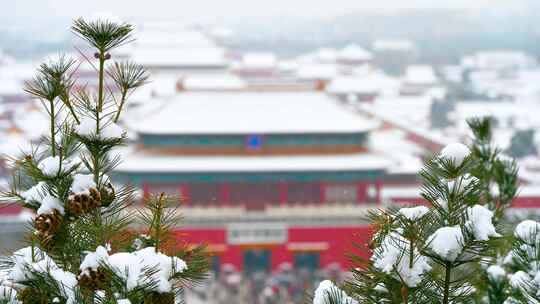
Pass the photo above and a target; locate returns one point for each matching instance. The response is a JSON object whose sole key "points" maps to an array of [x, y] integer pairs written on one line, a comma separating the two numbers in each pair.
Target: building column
{"points": [[378, 189], [184, 194], [283, 193], [322, 192], [224, 194], [361, 192], [146, 190]]}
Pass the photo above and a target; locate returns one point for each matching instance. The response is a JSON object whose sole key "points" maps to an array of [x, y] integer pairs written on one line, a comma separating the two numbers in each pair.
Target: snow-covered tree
{"points": [[428, 254], [85, 243], [446, 251]]}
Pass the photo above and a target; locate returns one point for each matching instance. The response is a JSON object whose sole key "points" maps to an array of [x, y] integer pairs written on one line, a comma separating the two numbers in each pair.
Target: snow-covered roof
{"points": [[351, 84], [173, 38], [13, 145], [180, 57], [258, 61], [322, 55], [326, 54], [174, 45], [420, 74], [401, 117], [524, 83], [498, 59], [388, 141], [13, 75], [213, 82], [318, 71], [252, 113], [410, 110], [288, 65], [368, 83], [508, 114], [353, 52], [140, 162]]}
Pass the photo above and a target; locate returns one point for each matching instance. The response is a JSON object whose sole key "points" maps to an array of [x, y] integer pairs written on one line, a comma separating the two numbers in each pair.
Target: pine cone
{"points": [[94, 279], [95, 196], [82, 202], [48, 223], [31, 296], [108, 194], [74, 205], [160, 298]]}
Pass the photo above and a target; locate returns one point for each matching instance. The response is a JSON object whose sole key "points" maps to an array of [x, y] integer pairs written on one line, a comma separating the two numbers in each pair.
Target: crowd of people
{"points": [[286, 285]]}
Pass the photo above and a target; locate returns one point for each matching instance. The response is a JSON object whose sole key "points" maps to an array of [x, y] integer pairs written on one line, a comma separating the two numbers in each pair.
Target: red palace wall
{"points": [[337, 240]]}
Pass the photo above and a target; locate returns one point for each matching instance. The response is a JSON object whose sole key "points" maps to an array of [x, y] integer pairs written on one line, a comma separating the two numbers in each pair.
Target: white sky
{"points": [[36, 13]]}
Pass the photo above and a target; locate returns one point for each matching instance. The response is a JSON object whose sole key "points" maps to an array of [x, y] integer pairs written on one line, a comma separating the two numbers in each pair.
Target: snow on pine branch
{"points": [[392, 256], [457, 152], [88, 127], [480, 223], [133, 266], [447, 242], [414, 213], [50, 203], [328, 292], [52, 166], [82, 182], [28, 261]]}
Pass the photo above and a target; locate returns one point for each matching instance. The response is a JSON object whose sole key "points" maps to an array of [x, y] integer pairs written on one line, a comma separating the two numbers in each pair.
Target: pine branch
{"points": [[127, 76], [104, 35]]}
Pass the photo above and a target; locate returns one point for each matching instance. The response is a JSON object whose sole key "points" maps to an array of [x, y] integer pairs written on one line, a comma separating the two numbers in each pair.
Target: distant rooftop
{"points": [[373, 82], [420, 74], [353, 52], [251, 113], [172, 46]]}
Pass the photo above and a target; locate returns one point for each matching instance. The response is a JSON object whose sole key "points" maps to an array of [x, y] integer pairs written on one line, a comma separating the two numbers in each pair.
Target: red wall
{"points": [[339, 239]]}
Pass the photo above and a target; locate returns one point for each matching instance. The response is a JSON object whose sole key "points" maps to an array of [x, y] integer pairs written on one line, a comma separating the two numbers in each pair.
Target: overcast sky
{"points": [[38, 13]]}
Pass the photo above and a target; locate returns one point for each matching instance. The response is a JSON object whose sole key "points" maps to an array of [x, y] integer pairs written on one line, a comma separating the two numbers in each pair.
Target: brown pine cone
{"points": [[81, 203], [46, 241], [160, 298], [74, 205], [48, 223], [95, 198], [94, 279], [31, 296], [108, 194]]}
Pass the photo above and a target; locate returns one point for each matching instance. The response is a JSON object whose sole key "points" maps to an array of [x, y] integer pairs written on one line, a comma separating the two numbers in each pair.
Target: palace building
{"points": [[266, 177]]}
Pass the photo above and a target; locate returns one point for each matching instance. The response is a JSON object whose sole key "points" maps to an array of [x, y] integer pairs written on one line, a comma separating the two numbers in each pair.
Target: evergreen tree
{"points": [[498, 179], [496, 173], [84, 245], [433, 254]]}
